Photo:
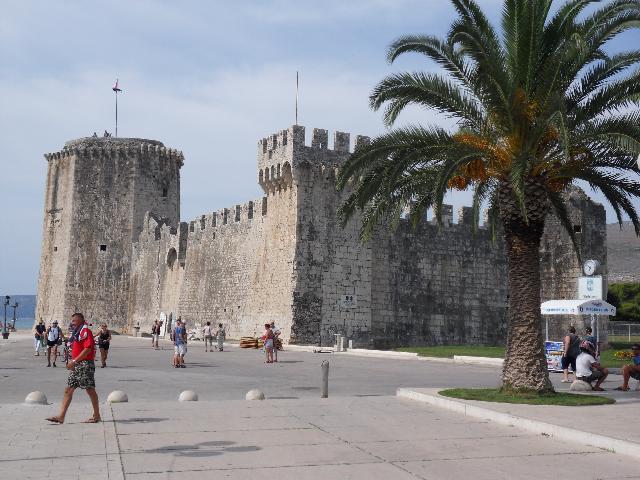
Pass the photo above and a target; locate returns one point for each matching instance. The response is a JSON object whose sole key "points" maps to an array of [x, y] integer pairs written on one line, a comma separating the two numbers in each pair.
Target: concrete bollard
{"points": [[324, 391], [117, 396], [580, 386], [254, 394], [36, 398], [188, 396]]}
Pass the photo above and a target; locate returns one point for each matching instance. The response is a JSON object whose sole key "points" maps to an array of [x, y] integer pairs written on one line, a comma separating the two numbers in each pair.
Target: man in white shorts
{"points": [[208, 337], [180, 344]]}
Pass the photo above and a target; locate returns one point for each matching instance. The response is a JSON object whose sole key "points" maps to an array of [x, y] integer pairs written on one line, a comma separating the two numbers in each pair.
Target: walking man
{"points": [[81, 370], [54, 338], [155, 334], [208, 337], [276, 338], [38, 333], [180, 344]]}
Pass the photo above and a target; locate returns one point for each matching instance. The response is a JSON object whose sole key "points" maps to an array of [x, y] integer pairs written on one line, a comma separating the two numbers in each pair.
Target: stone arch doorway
{"points": [[172, 256]]}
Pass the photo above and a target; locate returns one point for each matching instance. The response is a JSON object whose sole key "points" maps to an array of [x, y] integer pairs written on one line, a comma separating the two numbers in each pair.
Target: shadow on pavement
{"points": [[196, 451]]}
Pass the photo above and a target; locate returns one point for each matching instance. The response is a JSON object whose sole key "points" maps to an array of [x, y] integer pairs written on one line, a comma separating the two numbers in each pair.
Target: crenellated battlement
{"points": [[280, 153], [240, 213], [464, 219], [100, 147], [294, 137]]}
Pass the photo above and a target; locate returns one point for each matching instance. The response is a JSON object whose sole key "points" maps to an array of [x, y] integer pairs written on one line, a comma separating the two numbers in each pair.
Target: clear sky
{"points": [[206, 77]]}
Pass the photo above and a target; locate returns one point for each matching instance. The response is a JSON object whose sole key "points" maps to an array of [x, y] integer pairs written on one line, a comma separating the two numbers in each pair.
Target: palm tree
{"points": [[537, 106]]}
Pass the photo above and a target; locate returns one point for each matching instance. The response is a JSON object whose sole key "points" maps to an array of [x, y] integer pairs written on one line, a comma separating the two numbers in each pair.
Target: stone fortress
{"points": [[114, 248]]}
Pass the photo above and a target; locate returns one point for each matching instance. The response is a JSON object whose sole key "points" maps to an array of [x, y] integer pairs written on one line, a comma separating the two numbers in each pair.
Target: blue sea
{"points": [[21, 323]]}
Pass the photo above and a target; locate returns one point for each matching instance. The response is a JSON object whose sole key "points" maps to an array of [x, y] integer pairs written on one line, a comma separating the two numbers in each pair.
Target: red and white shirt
{"points": [[84, 339]]}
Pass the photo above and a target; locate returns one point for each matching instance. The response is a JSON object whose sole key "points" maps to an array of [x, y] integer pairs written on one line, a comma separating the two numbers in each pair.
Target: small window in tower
{"points": [[55, 249], [103, 248], [165, 192], [577, 228]]}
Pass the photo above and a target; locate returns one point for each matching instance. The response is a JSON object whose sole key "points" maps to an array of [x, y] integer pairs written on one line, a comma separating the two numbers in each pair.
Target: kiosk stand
{"points": [[595, 308]]}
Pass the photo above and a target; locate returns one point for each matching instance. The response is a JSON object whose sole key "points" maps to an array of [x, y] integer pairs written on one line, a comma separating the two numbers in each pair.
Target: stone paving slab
{"points": [[367, 438], [583, 466]]}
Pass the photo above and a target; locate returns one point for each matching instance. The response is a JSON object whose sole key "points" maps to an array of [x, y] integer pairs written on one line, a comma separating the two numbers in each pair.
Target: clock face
{"points": [[590, 267]]}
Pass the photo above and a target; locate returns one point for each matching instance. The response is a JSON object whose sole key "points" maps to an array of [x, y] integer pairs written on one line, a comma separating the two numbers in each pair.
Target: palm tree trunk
{"points": [[525, 365]]}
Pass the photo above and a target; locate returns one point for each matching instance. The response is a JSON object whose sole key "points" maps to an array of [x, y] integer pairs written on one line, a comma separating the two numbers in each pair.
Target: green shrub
{"points": [[626, 298]]}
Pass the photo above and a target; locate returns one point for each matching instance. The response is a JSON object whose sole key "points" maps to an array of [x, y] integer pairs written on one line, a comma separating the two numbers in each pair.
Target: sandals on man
{"points": [[93, 420], [622, 389], [55, 420], [598, 389]]}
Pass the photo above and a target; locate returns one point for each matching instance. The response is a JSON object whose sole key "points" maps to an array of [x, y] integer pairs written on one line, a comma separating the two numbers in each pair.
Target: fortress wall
{"points": [[561, 269], [437, 285], [56, 237], [156, 272], [239, 273], [217, 275], [333, 282], [283, 257], [332, 267]]}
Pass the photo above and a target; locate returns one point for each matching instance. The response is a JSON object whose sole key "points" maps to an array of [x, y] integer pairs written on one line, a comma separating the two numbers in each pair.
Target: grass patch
{"points": [[529, 398], [448, 351], [607, 358]]}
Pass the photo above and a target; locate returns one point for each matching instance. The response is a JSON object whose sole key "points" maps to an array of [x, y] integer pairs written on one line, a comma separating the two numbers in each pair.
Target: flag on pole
{"points": [[115, 87]]}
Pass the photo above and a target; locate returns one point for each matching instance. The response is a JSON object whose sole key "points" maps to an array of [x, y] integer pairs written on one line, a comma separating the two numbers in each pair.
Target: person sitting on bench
{"points": [[587, 367], [631, 370]]}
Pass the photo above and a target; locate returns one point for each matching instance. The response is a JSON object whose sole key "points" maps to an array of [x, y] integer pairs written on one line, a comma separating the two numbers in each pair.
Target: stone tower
{"points": [[97, 193]]}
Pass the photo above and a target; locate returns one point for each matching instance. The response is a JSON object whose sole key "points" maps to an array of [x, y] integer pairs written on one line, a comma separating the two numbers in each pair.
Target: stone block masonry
{"points": [[97, 193], [284, 257]]}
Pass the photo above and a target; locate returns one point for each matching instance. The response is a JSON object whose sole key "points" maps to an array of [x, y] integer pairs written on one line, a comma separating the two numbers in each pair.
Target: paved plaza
{"points": [[362, 431], [146, 374]]}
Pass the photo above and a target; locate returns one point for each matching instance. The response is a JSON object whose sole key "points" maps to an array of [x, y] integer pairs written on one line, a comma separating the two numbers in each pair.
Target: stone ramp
{"points": [[341, 437]]}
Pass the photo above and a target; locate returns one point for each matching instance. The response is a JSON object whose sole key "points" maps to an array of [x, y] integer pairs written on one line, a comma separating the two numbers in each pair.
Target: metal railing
{"points": [[624, 332]]}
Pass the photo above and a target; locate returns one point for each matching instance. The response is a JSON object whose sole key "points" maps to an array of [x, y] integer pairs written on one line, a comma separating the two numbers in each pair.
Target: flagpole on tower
{"points": [[116, 89], [297, 85]]}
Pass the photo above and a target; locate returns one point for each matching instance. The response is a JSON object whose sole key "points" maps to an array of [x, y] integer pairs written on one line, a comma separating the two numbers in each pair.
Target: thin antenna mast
{"points": [[116, 89], [297, 88]]}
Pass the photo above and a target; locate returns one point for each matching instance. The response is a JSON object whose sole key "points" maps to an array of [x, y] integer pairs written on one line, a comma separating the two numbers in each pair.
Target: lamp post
{"points": [[5, 331], [13, 322]]}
